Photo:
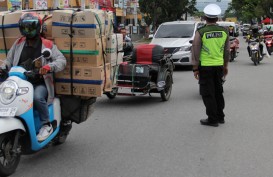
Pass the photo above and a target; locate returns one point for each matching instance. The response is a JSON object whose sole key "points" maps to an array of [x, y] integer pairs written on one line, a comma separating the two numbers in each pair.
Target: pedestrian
{"points": [[210, 56]]}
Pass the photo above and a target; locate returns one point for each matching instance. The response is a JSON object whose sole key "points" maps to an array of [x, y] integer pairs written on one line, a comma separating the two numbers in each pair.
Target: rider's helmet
{"points": [[255, 29], [30, 25], [212, 11]]}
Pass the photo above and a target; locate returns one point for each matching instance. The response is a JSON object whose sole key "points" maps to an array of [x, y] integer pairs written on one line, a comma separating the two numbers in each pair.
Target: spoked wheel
{"points": [[166, 93], [9, 160], [112, 94]]}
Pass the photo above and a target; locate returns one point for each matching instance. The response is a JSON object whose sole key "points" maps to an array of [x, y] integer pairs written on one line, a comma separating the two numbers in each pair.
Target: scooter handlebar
{"points": [[30, 74], [3, 73]]}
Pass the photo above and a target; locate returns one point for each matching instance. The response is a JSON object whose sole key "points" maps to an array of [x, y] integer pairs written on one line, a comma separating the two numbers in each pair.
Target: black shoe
{"points": [[208, 123], [221, 121]]}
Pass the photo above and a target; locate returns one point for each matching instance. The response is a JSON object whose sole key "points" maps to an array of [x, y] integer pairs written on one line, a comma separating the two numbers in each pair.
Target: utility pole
{"points": [[271, 11]]}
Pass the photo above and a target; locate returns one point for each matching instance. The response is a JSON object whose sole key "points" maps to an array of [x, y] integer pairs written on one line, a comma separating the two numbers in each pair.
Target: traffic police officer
{"points": [[210, 56]]}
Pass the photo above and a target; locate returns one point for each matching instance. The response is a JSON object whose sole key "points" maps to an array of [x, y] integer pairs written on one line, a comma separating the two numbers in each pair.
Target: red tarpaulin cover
{"points": [[267, 21], [105, 3]]}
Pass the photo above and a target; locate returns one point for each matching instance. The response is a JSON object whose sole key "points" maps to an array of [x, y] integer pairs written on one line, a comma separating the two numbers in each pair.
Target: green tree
{"points": [[248, 10], [159, 11]]}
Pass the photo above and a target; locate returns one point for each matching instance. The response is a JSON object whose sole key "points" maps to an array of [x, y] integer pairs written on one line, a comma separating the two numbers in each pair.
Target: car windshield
{"points": [[175, 31], [226, 24], [246, 26]]}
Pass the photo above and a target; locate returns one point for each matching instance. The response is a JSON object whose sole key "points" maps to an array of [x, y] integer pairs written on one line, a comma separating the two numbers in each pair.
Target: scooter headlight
{"points": [[8, 92], [254, 47]]}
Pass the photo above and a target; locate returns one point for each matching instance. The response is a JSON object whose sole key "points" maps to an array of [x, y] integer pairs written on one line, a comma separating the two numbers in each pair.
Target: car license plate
{"points": [[8, 112], [139, 69]]}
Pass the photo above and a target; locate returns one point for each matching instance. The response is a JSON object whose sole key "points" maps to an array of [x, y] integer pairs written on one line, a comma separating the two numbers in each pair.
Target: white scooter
{"points": [[19, 121]]}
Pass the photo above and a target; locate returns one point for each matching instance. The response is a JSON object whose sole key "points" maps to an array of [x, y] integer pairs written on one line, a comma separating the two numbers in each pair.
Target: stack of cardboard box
{"points": [[88, 38], [114, 47], [9, 31], [81, 36], [114, 44]]}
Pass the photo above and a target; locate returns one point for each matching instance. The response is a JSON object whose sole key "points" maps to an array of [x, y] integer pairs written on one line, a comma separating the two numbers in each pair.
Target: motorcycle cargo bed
{"points": [[135, 75]]}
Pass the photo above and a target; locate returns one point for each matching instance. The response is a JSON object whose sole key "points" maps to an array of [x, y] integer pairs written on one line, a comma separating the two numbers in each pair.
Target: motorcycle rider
{"points": [[127, 43], [256, 35], [231, 31], [23, 52]]}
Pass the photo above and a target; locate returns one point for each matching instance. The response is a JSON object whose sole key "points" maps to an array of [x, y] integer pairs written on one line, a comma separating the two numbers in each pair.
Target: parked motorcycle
{"points": [[234, 46], [20, 122], [254, 49], [268, 40], [148, 70]]}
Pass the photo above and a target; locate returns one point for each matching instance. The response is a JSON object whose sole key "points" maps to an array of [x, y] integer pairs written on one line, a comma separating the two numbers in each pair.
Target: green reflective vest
{"points": [[213, 43]]}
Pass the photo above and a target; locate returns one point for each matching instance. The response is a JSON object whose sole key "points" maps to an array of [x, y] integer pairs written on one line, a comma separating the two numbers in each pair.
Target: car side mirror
{"points": [[191, 41]]}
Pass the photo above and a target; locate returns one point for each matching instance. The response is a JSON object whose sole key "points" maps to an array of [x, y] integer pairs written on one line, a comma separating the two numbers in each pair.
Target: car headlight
{"points": [[8, 92], [185, 48]]}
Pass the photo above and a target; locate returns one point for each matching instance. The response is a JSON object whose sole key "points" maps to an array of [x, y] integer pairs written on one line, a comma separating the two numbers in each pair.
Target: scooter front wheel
{"points": [[9, 159]]}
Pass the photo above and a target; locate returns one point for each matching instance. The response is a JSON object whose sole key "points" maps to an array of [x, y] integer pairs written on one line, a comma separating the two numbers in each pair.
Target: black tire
{"points": [[112, 94], [66, 126], [232, 56], [166, 93], [255, 61], [60, 140], [269, 50], [9, 160]]}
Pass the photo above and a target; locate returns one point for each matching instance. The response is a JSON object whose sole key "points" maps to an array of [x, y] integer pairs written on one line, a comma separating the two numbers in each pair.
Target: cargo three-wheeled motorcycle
{"points": [[148, 70]]}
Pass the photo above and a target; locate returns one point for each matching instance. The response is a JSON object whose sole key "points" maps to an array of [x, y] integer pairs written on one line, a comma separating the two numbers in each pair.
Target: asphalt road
{"points": [[145, 137]]}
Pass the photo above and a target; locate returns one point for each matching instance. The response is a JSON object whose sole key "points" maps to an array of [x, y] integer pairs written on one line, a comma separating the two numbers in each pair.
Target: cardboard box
{"points": [[114, 43], [89, 90], [3, 3], [109, 20], [93, 32], [115, 59], [79, 89], [85, 60], [83, 49], [47, 26], [85, 73], [2, 57], [9, 42], [10, 24], [86, 81], [87, 16], [88, 23]]}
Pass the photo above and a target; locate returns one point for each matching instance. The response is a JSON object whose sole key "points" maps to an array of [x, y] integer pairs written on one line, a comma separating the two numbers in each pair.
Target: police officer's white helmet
{"points": [[212, 11]]}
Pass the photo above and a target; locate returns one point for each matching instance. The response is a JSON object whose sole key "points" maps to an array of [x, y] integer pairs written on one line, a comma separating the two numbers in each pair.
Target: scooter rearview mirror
{"points": [[47, 53]]}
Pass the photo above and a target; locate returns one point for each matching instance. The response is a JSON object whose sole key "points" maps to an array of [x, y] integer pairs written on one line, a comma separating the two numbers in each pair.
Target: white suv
{"points": [[175, 37]]}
